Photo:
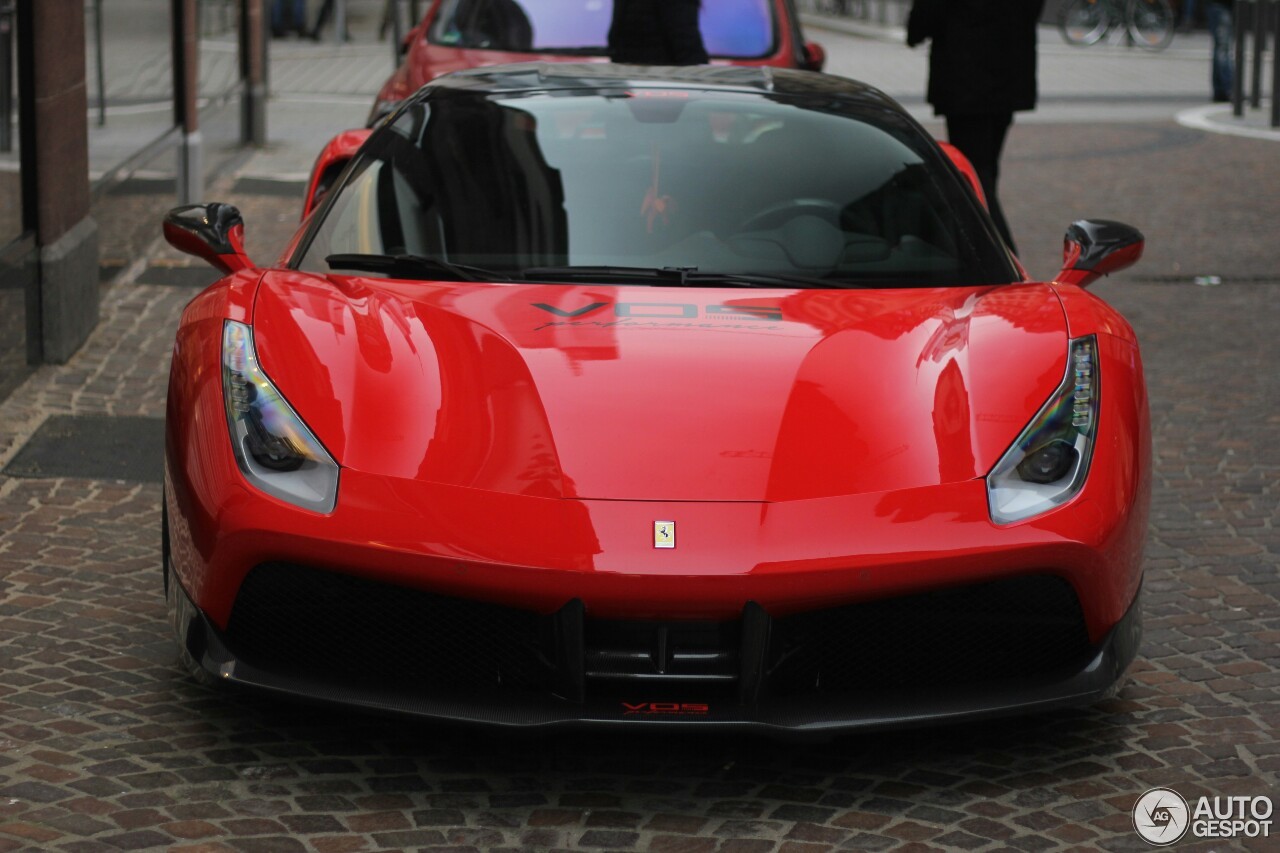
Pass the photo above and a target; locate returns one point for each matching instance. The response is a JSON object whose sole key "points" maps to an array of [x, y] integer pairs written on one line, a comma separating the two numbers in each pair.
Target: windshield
{"points": [[731, 29], [661, 179]]}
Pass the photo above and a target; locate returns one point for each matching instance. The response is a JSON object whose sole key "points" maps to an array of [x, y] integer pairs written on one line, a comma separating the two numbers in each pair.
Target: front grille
{"points": [[627, 658], [1016, 628], [346, 630]]}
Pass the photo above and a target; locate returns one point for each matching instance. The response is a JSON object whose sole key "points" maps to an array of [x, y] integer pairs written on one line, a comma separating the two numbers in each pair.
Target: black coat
{"points": [[983, 55], [656, 32]]}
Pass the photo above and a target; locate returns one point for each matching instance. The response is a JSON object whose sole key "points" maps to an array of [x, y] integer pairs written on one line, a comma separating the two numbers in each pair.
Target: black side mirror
{"points": [[1093, 248], [212, 232]]}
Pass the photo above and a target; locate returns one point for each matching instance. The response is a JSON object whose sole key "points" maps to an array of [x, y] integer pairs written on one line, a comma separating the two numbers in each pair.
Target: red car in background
{"points": [[459, 34]]}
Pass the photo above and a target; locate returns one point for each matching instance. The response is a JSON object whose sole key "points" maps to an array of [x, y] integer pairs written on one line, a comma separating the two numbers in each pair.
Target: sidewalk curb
{"points": [[1217, 118]]}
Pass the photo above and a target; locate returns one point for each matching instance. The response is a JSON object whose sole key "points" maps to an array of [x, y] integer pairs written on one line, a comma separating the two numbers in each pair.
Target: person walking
{"points": [[1222, 76], [288, 15], [982, 69], [1188, 22], [326, 11], [656, 32]]}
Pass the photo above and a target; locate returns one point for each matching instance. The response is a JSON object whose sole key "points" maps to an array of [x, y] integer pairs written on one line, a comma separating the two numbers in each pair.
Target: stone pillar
{"points": [[186, 112], [55, 165]]}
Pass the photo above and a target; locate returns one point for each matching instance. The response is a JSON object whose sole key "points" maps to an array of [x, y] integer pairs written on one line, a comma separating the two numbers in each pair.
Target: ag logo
{"points": [[664, 534], [1161, 816]]}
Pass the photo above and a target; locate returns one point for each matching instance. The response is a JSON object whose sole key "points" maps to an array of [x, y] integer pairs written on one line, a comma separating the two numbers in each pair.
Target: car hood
{"points": [[661, 393]]}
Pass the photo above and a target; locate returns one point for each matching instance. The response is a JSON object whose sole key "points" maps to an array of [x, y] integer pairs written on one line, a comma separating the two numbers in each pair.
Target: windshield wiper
{"points": [[421, 266], [751, 279], [414, 266], [677, 277], [650, 275]]}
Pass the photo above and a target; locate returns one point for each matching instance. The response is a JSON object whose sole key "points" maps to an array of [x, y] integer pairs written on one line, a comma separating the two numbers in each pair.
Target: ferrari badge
{"points": [[664, 534]]}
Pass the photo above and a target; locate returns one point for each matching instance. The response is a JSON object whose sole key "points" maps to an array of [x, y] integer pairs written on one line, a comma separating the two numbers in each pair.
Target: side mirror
{"points": [[815, 56], [961, 162], [329, 165], [212, 232], [1096, 247]]}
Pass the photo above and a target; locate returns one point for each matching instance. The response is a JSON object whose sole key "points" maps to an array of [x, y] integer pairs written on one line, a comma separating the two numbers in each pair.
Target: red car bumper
{"points": [[857, 611]]}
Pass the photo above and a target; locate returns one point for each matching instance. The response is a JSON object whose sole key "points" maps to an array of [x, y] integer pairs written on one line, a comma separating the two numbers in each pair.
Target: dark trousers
{"points": [[1223, 73], [288, 15], [981, 139]]}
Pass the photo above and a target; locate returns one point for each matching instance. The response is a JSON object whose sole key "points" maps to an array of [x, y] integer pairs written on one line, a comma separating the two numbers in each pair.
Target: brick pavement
{"points": [[106, 745]]}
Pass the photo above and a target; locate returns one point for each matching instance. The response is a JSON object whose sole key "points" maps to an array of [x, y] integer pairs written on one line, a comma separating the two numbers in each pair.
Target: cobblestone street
{"points": [[106, 744]]}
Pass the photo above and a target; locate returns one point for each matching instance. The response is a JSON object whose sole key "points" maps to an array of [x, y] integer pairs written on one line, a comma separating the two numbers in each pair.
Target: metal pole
{"points": [[28, 168], [1240, 14], [1259, 46], [264, 54], [340, 21], [6, 76], [102, 68], [397, 31], [186, 113], [1275, 64], [253, 93]]}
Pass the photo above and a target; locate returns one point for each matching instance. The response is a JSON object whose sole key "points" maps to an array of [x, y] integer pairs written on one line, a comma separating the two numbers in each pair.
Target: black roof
{"points": [[545, 76]]}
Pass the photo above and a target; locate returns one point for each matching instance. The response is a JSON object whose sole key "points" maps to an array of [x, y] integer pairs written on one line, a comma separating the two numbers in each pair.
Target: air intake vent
{"points": [[623, 657], [346, 630]]}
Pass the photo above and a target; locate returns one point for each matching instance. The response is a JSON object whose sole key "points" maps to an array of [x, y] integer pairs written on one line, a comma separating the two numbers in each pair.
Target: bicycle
{"points": [[1147, 23]]}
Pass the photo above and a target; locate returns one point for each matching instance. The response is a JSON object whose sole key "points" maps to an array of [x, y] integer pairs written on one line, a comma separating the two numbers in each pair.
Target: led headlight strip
{"points": [[273, 447], [1049, 462]]}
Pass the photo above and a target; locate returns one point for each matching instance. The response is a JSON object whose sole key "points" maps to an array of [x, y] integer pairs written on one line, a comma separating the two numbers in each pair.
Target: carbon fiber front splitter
{"points": [[205, 653]]}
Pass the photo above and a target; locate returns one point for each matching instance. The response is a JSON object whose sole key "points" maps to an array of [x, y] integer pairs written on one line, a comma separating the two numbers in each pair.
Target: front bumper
{"points": [[744, 678], [755, 590], [539, 554]]}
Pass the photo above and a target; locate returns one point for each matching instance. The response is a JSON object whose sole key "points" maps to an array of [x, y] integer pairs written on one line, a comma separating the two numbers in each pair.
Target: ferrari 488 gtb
{"points": [[602, 394]]}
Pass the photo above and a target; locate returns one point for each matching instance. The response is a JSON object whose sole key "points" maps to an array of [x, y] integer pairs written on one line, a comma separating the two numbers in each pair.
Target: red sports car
{"points": [[605, 394], [457, 34]]}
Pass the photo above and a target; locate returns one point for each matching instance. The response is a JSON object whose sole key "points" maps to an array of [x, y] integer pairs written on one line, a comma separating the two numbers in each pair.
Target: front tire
{"points": [[1084, 22], [174, 611], [1150, 23]]}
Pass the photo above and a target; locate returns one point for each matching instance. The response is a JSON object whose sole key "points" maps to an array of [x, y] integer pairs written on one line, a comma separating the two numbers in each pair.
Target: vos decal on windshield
{"points": [[668, 311]]}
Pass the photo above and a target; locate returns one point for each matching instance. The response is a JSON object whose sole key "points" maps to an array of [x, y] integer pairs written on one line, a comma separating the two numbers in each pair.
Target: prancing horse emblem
{"points": [[664, 534]]}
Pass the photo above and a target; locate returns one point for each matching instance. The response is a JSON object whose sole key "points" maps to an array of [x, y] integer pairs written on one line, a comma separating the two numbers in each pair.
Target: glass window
{"points": [[731, 29], [654, 178]]}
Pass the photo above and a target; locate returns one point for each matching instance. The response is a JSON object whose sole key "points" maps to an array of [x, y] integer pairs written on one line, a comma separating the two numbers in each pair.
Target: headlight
{"points": [[1048, 463], [273, 447]]}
